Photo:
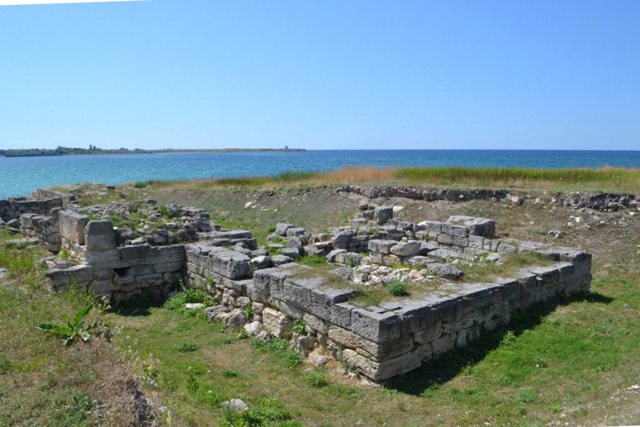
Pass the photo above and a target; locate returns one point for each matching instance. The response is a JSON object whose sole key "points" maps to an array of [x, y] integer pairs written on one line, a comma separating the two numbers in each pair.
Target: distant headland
{"points": [[66, 151]]}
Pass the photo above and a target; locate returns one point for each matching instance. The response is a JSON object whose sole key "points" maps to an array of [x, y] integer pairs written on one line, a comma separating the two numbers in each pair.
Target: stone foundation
{"points": [[273, 294]]}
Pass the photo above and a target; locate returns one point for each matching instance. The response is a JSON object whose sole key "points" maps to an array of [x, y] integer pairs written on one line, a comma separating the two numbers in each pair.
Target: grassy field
{"points": [[601, 179], [566, 363]]}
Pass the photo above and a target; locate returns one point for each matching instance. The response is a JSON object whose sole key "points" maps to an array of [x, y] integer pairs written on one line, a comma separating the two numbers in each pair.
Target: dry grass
{"points": [[601, 179]]}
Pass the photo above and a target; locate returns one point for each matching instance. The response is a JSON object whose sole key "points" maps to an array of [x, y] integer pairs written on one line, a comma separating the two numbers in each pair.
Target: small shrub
{"points": [[266, 412], [63, 254], [317, 379], [397, 289], [192, 383], [142, 184], [247, 311], [75, 328], [230, 373], [271, 229], [185, 296], [165, 212], [298, 327], [5, 365], [186, 347]]}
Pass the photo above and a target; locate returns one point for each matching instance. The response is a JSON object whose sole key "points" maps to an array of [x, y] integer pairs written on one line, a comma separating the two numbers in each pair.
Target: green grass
{"points": [[612, 178], [397, 289], [605, 178], [42, 382], [482, 272]]}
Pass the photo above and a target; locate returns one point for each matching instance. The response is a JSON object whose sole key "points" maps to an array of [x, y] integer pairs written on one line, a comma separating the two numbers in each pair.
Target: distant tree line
{"points": [[61, 151]]}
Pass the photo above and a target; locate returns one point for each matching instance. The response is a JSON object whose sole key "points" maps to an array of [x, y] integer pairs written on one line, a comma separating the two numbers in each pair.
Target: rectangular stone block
{"points": [[381, 246], [377, 327], [230, 264], [276, 323], [72, 226], [99, 236], [445, 239]]}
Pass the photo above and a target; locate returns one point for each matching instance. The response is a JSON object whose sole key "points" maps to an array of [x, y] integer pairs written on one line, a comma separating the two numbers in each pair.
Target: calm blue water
{"points": [[22, 175]]}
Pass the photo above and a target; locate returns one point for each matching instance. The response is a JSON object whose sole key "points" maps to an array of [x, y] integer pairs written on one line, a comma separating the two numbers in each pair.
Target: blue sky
{"points": [[322, 74]]}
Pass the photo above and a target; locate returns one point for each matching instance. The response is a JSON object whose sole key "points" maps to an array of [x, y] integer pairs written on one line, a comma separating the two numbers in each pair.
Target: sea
{"points": [[20, 176]]}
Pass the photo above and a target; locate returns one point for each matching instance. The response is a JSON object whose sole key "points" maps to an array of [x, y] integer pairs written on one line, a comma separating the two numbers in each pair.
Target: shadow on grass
{"points": [[139, 306], [449, 365]]}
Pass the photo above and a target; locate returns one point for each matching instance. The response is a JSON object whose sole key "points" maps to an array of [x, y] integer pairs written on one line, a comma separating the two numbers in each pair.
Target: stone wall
{"points": [[426, 194], [12, 208], [120, 273], [382, 342], [393, 338]]}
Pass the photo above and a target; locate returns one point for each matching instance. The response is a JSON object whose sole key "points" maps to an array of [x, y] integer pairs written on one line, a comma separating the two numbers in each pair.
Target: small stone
{"points": [[193, 305], [281, 228], [261, 262], [382, 214], [235, 405], [281, 259], [556, 234], [253, 328], [319, 360], [214, 312]]}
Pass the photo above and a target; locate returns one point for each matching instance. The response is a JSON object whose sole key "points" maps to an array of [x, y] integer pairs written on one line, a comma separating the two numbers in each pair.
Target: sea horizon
{"points": [[20, 176]]}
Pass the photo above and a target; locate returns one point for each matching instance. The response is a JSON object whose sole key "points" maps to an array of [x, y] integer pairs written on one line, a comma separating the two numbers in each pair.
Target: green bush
{"points": [[397, 289], [298, 327], [266, 412], [186, 347], [75, 329], [318, 378], [185, 296]]}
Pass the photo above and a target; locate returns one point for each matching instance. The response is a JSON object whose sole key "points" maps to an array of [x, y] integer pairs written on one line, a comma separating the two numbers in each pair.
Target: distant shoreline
{"points": [[65, 151]]}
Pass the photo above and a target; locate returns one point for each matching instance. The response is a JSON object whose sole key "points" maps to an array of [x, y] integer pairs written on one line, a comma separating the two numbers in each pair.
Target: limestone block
{"points": [[295, 231], [339, 314], [404, 249], [100, 288], [377, 327], [281, 228], [445, 239], [105, 259], [229, 264], [76, 274], [276, 323], [169, 267], [72, 226], [381, 246], [99, 236], [331, 256], [349, 258], [443, 344], [342, 239], [455, 230], [506, 248], [377, 351], [382, 214], [476, 242], [315, 323]]}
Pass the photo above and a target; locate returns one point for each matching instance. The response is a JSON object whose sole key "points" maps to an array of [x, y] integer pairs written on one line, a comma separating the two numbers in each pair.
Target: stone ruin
{"points": [[380, 341]]}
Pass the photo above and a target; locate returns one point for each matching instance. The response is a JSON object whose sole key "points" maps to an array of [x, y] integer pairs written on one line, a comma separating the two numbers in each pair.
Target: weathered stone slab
{"points": [[228, 263], [381, 246], [404, 249], [99, 236], [72, 226]]}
